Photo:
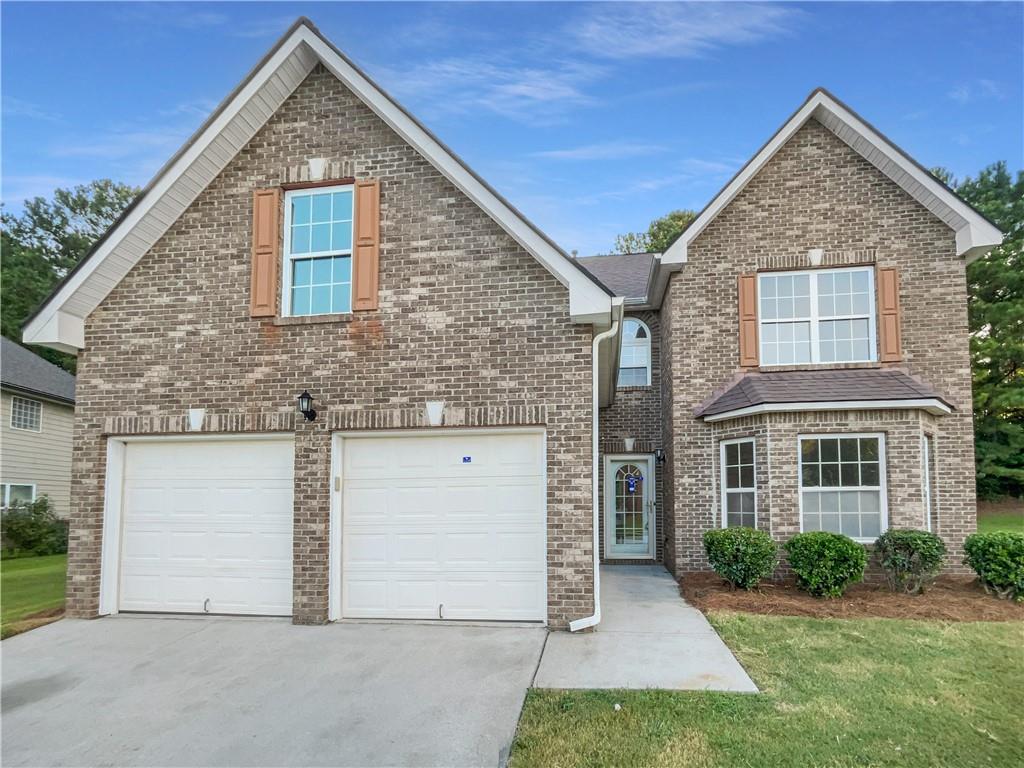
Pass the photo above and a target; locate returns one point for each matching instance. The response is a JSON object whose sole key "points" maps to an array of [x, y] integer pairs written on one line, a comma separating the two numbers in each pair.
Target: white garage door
{"points": [[446, 527], [208, 527]]}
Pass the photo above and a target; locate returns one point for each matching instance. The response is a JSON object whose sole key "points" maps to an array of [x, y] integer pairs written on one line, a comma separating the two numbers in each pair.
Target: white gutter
{"points": [[593, 620]]}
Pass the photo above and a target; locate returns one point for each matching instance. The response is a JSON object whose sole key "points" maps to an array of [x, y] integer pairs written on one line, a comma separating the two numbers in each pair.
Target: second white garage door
{"points": [[449, 526]]}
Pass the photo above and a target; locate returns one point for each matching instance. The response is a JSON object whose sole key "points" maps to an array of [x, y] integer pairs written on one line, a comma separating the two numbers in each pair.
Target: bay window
{"points": [[739, 487], [842, 484]]}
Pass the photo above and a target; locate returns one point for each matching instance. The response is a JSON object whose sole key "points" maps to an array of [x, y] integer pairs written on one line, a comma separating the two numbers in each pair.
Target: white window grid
{"points": [[287, 263], [741, 488], [5, 492], [26, 414], [635, 354], [805, 326], [880, 488]]}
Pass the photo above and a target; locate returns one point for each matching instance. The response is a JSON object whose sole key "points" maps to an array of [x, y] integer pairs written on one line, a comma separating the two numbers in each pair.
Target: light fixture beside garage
{"points": [[306, 405]]}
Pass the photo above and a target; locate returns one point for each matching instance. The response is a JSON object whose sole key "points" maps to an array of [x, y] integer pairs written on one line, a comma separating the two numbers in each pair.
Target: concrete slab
{"points": [[261, 692], [649, 637]]}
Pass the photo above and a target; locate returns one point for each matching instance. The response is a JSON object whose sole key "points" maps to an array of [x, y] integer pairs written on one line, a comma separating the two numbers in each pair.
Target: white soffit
{"points": [[975, 235], [59, 323]]}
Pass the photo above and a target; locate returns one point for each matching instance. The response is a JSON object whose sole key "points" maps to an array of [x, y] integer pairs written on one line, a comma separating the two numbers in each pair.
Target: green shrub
{"points": [[910, 558], [33, 528], [741, 556], [825, 563], [998, 559]]}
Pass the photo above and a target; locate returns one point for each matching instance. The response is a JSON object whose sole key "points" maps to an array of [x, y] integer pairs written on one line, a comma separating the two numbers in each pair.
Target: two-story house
{"points": [[326, 371], [36, 422]]}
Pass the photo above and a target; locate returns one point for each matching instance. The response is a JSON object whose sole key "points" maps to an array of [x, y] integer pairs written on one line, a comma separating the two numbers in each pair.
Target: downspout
{"points": [[593, 620]]}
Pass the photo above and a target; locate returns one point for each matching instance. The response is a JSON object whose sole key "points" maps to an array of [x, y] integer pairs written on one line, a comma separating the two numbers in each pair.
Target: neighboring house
{"points": [[35, 438], [493, 417]]}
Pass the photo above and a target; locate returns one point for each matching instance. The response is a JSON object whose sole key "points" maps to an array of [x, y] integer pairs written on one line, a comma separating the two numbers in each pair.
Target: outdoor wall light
{"points": [[306, 405], [659, 455]]}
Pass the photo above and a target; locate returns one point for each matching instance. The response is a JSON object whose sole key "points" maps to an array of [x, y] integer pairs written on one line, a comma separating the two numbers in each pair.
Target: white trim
{"points": [[930, 404], [288, 258], [5, 492], [113, 496], [975, 235], [337, 512], [55, 326], [650, 490], [926, 478], [25, 399], [814, 319], [723, 490], [646, 342], [883, 472]]}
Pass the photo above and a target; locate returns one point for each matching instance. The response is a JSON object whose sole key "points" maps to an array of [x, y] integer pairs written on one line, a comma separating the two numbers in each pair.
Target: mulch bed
{"points": [[949, 599]]}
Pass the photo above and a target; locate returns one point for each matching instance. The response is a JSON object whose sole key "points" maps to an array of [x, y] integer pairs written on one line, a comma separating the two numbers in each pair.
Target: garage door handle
{"points": [[206, 605], [440, 610]]}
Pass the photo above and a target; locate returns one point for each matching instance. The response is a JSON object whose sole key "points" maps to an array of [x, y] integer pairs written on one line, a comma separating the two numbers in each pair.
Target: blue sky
{"points": [[592, 118]]}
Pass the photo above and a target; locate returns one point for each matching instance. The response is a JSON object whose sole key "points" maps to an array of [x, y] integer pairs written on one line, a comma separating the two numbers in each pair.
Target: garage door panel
{"points": [[208, 521], [428, 528]]}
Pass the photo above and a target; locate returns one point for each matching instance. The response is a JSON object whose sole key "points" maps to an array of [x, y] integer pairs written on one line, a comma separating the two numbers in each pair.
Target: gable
{"points": [[59, 322], [975, 235]]}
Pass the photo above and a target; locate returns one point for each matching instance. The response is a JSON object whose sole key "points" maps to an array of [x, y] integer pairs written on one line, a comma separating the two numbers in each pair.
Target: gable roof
{"points": [[842, 389], [27, 372], [626, 274], [975, 234], [59, 321]]}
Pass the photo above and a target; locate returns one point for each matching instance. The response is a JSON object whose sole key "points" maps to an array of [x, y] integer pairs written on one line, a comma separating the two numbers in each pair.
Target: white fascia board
{"points": [[57, 330], [587, 302], [974, 237], [33, 332], [932, 405]]}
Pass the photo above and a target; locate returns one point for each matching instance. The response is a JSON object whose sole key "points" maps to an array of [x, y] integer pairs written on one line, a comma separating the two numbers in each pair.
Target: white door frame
{"points": [[113, 502], [650, 488], [338, 483]]}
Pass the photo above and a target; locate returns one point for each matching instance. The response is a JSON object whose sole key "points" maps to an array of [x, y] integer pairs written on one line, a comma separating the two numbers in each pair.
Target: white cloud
{"points": [[261, 28], [13, 107], [17, 189], [977, 90], [671, 30], [611, 150], [122, 144]]}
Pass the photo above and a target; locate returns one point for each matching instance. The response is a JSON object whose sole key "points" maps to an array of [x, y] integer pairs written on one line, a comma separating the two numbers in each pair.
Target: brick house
{"points": [[490, 418]]}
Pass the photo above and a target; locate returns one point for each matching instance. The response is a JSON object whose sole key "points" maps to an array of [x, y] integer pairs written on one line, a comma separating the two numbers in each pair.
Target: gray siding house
{"points": [[326, 371]]}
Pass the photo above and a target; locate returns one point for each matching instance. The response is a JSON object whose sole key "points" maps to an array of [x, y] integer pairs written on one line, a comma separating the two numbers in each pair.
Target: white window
{"points": [[739, 488], [12, 492], [927, 479], [822, 316], [26, 414], [635, 357], [317, 260], [842, 484]]}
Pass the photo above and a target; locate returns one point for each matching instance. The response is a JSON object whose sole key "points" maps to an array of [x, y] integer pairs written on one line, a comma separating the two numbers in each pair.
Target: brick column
{"points": [[311, 542]]}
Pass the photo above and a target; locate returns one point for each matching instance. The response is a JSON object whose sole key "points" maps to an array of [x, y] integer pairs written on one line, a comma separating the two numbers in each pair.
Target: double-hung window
{"points": [[842, 484], [739, 488], [818, 316], [13, 492], [317, 259], [26, 414], [635, 355]]}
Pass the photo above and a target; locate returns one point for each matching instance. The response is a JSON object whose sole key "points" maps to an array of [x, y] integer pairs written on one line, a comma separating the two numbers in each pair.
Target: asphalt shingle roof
{"points": [[624, 273], [818, 387], [27, 371]]}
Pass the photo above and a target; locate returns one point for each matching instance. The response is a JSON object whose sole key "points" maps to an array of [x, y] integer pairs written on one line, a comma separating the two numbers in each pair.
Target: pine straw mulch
{"points": [[31, 622], [949, 599]]}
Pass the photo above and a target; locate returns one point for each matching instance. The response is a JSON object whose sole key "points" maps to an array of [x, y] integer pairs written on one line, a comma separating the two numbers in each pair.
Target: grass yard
{"points": [[30, 586], [836, 692]]}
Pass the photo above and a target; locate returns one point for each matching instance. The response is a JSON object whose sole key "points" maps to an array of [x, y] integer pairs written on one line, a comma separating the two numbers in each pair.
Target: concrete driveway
{"points": [[254, 692]]}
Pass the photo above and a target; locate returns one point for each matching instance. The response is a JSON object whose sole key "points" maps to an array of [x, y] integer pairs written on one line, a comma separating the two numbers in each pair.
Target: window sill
{"points": [[817, 367], [634, 388], [346, 317]]}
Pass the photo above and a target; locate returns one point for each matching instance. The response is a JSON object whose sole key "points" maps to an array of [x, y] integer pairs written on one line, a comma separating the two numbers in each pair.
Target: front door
{"points": [[629, 507]]}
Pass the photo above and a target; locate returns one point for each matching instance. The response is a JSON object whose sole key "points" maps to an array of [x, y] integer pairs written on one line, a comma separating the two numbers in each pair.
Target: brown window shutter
{"points": [[266, 250], [748, 321], [366, 248], [890, 345]]}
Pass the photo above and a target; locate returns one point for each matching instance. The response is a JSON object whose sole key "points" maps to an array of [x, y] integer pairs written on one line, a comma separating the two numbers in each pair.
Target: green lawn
{"points": [[876, 692], [1001, 521], [30, 585]]}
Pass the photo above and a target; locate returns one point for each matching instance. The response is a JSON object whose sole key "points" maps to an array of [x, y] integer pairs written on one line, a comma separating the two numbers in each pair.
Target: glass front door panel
{"points": [[630, 534]]}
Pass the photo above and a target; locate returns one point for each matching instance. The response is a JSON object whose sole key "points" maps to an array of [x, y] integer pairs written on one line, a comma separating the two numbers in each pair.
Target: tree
{"points": [[45, 242], [659, 234], [995, 286]]}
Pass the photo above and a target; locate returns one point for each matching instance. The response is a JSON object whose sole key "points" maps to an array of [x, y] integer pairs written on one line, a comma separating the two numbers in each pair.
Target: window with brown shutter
{"points": [[266, 249], [748, 321], [890, 345], [366, 248]]}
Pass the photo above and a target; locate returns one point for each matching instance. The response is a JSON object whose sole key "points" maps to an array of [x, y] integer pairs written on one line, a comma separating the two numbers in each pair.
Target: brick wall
{"points": [[817, 193], [466, 315]]}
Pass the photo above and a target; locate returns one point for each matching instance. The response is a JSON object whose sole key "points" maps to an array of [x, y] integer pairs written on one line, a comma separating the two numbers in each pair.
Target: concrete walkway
{"points": [[649, 637]]}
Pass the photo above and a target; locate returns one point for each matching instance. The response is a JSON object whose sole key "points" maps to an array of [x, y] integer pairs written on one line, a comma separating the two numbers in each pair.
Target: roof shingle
{"points": [[28, 372], [624, 273]]}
